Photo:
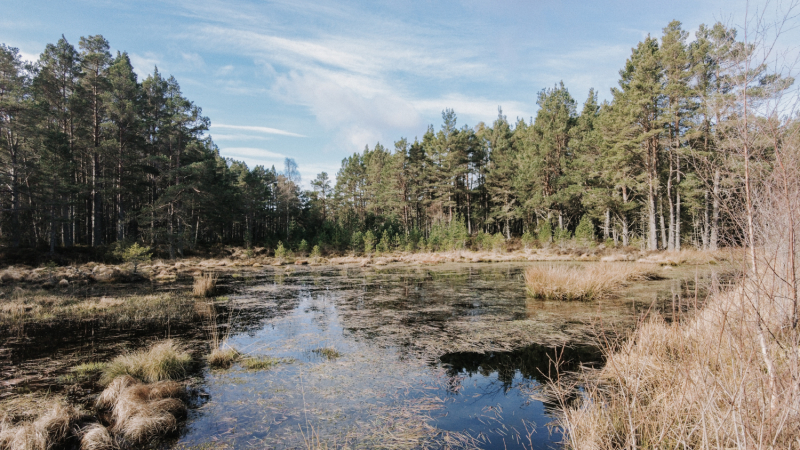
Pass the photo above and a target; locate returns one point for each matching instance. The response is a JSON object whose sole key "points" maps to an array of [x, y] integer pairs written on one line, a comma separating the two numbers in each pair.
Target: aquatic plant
{"points": [[563, 282], [260, 362], [327, 352], [165, 360], [204, 285]]}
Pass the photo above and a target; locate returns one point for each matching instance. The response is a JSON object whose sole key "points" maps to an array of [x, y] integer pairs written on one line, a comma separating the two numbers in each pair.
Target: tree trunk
{"points": [[714, 237]]}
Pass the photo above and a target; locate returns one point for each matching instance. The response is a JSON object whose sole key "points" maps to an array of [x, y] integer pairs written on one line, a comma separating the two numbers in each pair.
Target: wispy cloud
{"points": [[251, 152], [265, 130]]}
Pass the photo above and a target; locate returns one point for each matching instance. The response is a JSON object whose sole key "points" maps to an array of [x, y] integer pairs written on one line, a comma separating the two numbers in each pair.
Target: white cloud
{"points": [[265, 130], [251, 152], [239, 137], [143, 65]]}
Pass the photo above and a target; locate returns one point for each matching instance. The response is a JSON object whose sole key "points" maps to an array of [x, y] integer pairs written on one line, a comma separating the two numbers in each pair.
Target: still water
{"points": [[441, 357]]}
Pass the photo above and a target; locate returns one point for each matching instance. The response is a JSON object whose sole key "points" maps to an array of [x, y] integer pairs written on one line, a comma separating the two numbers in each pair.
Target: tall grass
{"points": [[165, 360], [587, 282], [204, 285]]}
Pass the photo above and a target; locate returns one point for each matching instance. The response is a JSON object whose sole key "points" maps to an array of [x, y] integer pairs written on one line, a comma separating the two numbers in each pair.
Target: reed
{"points": [[205, 285], [589, 282]]}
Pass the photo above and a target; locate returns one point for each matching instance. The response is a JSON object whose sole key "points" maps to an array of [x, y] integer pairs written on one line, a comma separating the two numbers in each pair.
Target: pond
{"points": [[441, 356], [447, 356]]}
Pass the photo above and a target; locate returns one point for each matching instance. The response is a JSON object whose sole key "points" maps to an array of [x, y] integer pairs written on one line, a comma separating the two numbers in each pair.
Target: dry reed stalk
{"points": [[582, 283], [204, 285]]}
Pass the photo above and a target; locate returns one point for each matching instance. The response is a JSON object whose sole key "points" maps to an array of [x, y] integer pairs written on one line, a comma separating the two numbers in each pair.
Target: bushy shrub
{"points": [[369, 242], [385, 243], [303, 247], [584, 233], [316, 252], [134, 254], [545, 232], [357, 241], [280, 251], [498, 242], [528, 240]]}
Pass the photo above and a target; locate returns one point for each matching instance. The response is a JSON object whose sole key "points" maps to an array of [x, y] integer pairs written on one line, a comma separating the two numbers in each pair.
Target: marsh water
{"points": [[423, 357]]}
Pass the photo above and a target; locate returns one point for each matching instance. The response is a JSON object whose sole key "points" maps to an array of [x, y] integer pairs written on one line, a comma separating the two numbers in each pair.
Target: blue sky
{"points": [[317, 81]]}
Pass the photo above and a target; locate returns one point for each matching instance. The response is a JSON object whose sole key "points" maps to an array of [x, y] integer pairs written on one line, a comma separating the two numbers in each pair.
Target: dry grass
{"points": [[204, 285], [583, 282], [165, 360], [138, 410], [705, 383], [49, 430], [96, 437], [223, 358]]}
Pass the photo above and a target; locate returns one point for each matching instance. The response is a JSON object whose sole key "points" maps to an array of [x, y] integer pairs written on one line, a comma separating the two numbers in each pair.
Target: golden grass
{"points": [[223, 358], [138, 410], [714, 381], [204, 285], [165, 360], [593, 281]]}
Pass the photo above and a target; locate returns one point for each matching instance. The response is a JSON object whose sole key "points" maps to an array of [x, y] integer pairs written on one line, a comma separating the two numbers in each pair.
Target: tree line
{"points": [[91, 156]]}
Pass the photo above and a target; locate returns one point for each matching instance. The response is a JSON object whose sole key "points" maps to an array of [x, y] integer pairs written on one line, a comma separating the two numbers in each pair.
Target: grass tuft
{"points": [[96, 437], [260, 362], [223, 358], [327, 352], [88, 369], [588, 282], [163, 361], [139, 411], [204, 285]]}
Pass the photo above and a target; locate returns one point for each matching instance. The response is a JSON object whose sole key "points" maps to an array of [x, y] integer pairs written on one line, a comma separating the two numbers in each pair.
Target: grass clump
{"points": [[88, 369], [593, 281], [204, 285], [260, 362], [223, 358], [51, 429], [139, 411], [327, 352], [165, 360]]}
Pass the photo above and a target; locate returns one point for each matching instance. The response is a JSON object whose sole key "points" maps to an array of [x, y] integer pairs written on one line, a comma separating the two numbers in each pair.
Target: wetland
{"points": [[454, 355]]}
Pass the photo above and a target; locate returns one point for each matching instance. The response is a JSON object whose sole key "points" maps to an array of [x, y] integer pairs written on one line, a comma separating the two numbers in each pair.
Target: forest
{"points": [[94, 157]]}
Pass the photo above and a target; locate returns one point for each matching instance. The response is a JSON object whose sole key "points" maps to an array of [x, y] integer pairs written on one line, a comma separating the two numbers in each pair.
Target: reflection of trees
{"points": [[534, 362]]}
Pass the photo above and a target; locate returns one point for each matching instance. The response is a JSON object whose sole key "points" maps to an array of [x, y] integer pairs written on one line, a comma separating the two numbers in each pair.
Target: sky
{"points": [[318, 81]]}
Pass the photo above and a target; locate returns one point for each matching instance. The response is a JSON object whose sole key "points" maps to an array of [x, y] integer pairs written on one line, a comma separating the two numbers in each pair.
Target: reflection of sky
{"points": [[271, 407]]}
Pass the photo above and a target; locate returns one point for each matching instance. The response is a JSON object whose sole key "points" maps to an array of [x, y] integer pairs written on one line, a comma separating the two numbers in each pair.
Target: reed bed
{"points": [[593, 281], [727, 378], [204, 285], [166, 360]]}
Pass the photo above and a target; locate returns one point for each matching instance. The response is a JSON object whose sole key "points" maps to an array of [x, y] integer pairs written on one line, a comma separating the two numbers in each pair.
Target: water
{"points": [[395, 382], [428, 357]]}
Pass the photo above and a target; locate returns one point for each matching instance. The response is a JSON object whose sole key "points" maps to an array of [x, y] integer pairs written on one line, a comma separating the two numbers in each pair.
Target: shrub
{"points": [[357, 241], [303, 247], [584, 233], [545, 232], [369, 242], [280, 251], [385, 242], [498, 242], [134, 254], [527, 240], [165, 360], [316, 252]]}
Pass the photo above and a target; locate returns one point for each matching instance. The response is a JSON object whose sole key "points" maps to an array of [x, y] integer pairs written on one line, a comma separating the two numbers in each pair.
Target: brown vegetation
{"points": [[142, 410], [48, 430], [96, 437], [568, 282], [204, 285], [165, 360]]}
